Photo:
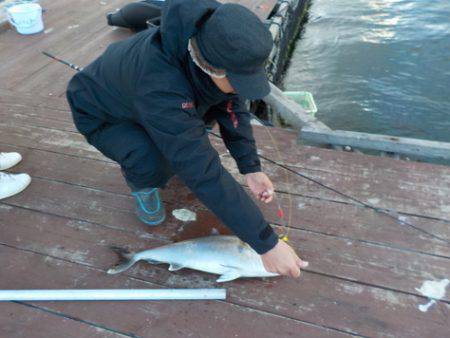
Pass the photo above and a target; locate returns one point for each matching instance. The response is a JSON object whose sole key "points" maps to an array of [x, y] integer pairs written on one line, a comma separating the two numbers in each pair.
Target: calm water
{"points": [[380, 66]]}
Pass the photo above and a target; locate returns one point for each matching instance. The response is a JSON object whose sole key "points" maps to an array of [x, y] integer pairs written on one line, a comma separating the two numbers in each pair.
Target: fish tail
{"points": [[127, 260]]}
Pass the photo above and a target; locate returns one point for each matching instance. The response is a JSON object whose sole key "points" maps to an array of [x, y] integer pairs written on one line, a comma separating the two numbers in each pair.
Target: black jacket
{"points": [[150, 79]]}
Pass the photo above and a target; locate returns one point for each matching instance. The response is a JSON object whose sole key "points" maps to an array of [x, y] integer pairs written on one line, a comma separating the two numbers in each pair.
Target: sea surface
{"points": [[378, 66]]}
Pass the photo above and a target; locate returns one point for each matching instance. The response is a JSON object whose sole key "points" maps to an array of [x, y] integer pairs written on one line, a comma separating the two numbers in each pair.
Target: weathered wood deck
{"points": [[364, 266]]}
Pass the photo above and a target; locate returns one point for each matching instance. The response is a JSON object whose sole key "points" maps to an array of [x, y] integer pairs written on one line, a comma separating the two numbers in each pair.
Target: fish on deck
{"points": [[226, 256]]}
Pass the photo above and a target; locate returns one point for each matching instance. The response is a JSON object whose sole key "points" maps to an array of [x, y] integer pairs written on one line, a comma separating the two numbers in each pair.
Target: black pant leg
{"points": [[125, 142], [129, 145]]}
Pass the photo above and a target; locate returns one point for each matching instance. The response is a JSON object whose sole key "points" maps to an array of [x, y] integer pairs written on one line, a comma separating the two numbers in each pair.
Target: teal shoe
{"points": [[149, 207]]}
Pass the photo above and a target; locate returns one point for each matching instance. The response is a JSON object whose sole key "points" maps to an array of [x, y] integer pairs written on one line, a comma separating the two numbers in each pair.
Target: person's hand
{"points": [[283, 260], [261, 186]]}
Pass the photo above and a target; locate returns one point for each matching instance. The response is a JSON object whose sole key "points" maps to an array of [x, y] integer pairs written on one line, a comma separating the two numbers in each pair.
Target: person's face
{"points": [[223, 84]]}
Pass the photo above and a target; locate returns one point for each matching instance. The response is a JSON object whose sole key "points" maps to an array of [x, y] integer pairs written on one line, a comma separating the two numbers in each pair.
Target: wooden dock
{"points": [[365, 267]]}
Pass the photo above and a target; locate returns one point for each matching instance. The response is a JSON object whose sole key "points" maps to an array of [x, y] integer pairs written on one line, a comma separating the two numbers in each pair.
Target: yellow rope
{"points": [[285, 235]]}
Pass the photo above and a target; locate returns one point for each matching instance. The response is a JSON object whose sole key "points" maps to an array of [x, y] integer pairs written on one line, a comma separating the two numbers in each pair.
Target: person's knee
{"points": [[145, 161], [85, 117], [138, 179], [146, 167]]}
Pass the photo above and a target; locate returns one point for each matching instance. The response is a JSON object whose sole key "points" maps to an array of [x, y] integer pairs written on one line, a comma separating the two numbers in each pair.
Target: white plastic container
{"points": [[304, 99], [26, 18]]}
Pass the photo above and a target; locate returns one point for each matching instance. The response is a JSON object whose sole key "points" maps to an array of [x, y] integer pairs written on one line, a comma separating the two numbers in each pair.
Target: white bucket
{"points": [[26, 18]]}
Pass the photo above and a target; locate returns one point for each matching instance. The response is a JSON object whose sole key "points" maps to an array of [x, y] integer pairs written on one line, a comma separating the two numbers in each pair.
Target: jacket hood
{"points": [[180, 20]]}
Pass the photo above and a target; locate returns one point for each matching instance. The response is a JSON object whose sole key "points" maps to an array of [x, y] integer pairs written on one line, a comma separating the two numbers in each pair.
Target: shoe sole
{"points": [[154, 223]]}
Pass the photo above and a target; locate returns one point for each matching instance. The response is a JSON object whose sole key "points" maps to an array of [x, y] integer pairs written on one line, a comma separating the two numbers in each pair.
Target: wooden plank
{"points": [[73, 26], [52, 17], [142, 319], [335, 257], [420, 191], [411, 187], [362, 309], [391, 193], [84, 27], [25, 100], [423, 189], [47, 139], [298, 156], [281, 178], [363, 225], [402, 189], [301, 157], [262, 8], [41, 189], [53, 119], [117, 212], [400, 145], [335, 219], [56, 26], [73, 170], [24, 321], [321, 159], [53, 78]]}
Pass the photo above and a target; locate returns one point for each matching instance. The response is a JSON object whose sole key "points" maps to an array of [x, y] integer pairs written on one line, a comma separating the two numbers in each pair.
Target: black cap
{"points": [[234, 39]]}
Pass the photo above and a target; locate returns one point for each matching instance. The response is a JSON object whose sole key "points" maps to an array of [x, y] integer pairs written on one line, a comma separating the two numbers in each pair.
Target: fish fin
{"points": [[175, 267], [126, 260], [122, 252], [228, 276], [215, 232]]}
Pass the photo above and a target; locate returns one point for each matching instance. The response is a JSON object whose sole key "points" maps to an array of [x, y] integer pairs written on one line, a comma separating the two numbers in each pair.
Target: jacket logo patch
{"points": [[187, 105], [233, 117]]}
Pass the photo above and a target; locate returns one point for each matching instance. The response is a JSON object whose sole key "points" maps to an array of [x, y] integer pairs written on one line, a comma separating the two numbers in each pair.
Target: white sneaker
{"points": [[9, 160], [11, 184]]}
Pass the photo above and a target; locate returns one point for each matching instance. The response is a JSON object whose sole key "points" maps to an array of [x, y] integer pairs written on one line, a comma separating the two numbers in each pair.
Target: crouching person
{"points": [[144, 103]]}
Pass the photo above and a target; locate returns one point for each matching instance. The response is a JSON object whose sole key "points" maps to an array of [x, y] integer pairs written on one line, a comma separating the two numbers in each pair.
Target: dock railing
{"points": [[312, 130]]}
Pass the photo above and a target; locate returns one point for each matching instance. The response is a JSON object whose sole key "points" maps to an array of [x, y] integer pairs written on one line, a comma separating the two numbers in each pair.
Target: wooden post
{"points": [[384, 143]]}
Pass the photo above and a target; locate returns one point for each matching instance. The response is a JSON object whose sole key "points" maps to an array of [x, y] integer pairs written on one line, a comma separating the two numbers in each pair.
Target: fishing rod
{"points": [[71, 65], [391, 214], [361, 203]]}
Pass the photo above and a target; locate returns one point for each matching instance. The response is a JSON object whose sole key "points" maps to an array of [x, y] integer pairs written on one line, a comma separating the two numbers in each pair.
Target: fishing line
{"points": [[391, 214], [280, 213]]}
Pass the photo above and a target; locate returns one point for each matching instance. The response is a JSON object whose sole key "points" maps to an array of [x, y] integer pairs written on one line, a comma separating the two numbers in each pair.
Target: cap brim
{"points": [[253, 86]]}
